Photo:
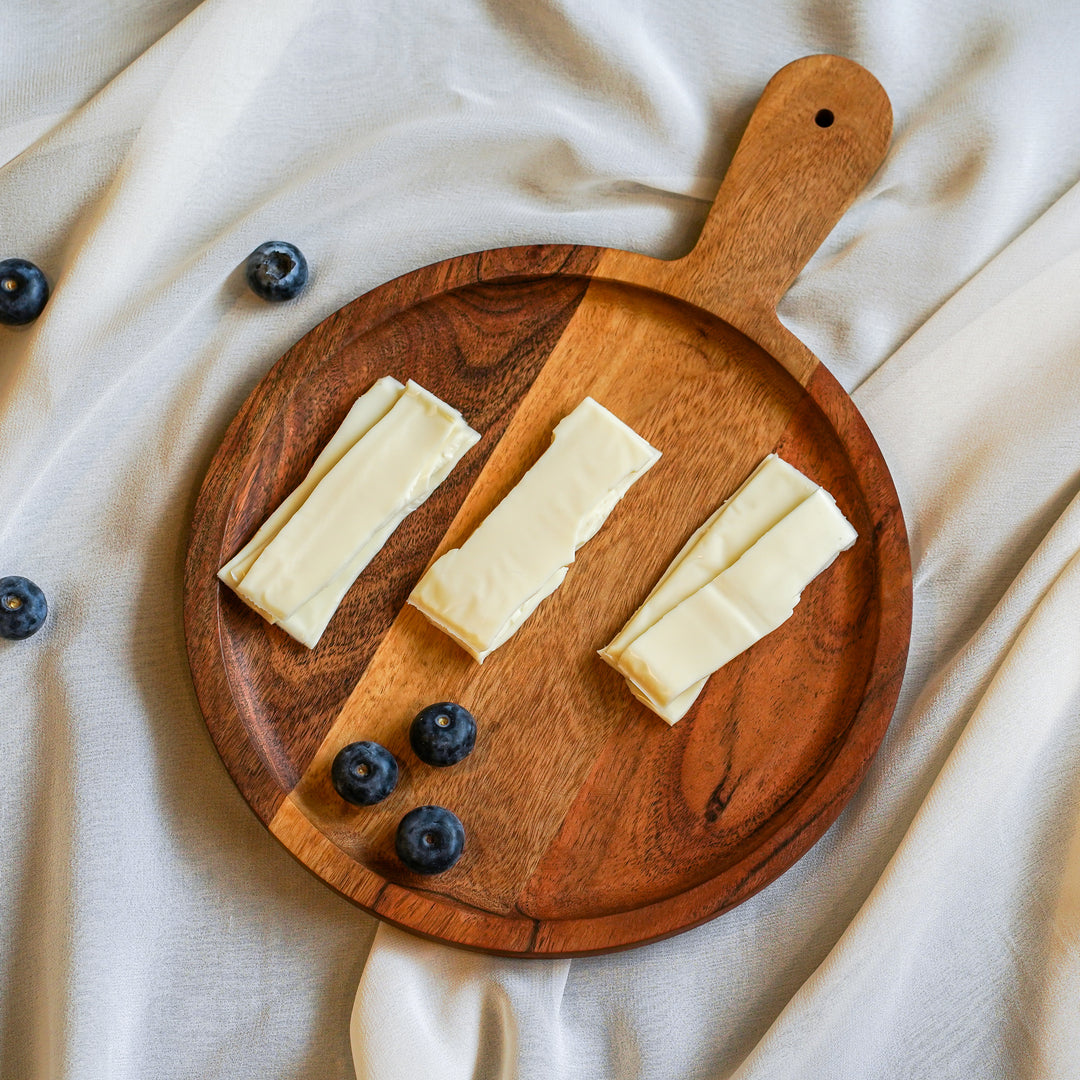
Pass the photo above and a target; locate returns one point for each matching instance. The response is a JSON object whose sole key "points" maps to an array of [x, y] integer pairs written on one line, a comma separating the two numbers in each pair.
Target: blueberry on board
{"points": [[364, 773], [23, 292], [430, 839], [443, 734], [276, 270], [22, 607]]}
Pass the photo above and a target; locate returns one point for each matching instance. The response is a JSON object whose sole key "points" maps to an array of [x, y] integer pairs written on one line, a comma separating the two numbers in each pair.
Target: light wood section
{"points": [[789, 183], [590, 824]]}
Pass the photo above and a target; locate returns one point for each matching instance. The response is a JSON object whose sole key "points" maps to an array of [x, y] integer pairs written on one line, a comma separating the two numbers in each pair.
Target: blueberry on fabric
{"points": [[22, 608], [364, 773], [443, 734], [23, 292], [430, 839], [276, 270]]}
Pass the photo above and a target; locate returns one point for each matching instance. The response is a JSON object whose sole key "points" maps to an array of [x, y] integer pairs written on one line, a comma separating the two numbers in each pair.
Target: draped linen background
{"points": [[149, 925]]}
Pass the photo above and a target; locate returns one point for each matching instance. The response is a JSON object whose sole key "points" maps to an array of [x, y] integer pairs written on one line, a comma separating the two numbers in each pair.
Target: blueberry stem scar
{"points": [[23, 607], [280, 264]]}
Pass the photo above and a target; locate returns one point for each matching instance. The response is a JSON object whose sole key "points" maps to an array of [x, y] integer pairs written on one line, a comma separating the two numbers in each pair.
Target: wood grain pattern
{"points": [[789, 183], [591, 825]]}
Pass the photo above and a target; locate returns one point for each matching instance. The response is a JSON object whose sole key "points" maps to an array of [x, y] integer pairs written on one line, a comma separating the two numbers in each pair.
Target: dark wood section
{"points": [[269, 701], [590, 824]]}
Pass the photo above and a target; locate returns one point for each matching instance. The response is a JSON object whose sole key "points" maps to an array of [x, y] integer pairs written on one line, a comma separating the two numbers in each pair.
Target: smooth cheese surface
{"points": [[366, 411], [675, 709], [342, 523], [742, 604], [308, 622], [483, 591], [768, 495]]}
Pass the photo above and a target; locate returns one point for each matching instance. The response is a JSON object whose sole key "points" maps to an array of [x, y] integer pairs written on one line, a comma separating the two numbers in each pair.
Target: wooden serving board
{"points": [[591, 825]]}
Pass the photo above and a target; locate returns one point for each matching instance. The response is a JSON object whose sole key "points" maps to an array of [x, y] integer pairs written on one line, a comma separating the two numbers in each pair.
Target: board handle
{"points": [[818, 133]]}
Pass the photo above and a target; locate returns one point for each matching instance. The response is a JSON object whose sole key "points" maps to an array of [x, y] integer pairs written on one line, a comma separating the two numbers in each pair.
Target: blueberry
{"points": [[443, 733], [276, 270], [429, 840], [23, 292], [364, 773], [22, 607]]}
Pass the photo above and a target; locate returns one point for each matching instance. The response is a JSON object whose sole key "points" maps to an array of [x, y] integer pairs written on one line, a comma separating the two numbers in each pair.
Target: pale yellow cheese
{"points": [[483, 591], [366, 412], [739, 606], [308, 622], [676, 709], [352, 510], [767, 495]]}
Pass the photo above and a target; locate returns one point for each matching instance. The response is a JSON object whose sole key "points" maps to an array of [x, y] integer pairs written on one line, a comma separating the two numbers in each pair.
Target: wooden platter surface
{"points": [[591, 825]]}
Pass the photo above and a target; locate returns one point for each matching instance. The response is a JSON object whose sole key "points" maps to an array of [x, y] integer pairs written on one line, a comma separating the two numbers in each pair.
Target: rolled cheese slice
{"points": [[308, 622], [345, 520], [483, 591], [367, 410], [739, 606], [767, 495]]}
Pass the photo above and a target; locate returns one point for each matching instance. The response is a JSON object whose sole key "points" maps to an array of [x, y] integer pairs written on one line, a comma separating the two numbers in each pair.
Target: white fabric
{"points": [[149, 926]]}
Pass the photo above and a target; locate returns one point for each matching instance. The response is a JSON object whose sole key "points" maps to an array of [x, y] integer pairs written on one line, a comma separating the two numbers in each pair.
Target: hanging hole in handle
{"points": [[824, 118]]}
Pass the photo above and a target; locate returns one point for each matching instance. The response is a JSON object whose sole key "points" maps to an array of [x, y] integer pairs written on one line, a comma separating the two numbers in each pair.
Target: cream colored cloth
{"points": [[935, 931], [149, 926]]}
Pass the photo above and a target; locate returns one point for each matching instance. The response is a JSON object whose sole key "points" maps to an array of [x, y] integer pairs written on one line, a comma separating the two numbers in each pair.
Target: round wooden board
{"points": [[591, 825]]}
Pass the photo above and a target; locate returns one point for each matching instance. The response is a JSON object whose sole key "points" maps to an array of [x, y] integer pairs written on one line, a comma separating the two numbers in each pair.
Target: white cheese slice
{"points": [[767, 495], [344, 521], [742, 604], [483, 591], [366, 412], [676, 709], [310, 619], [770, 492]]}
